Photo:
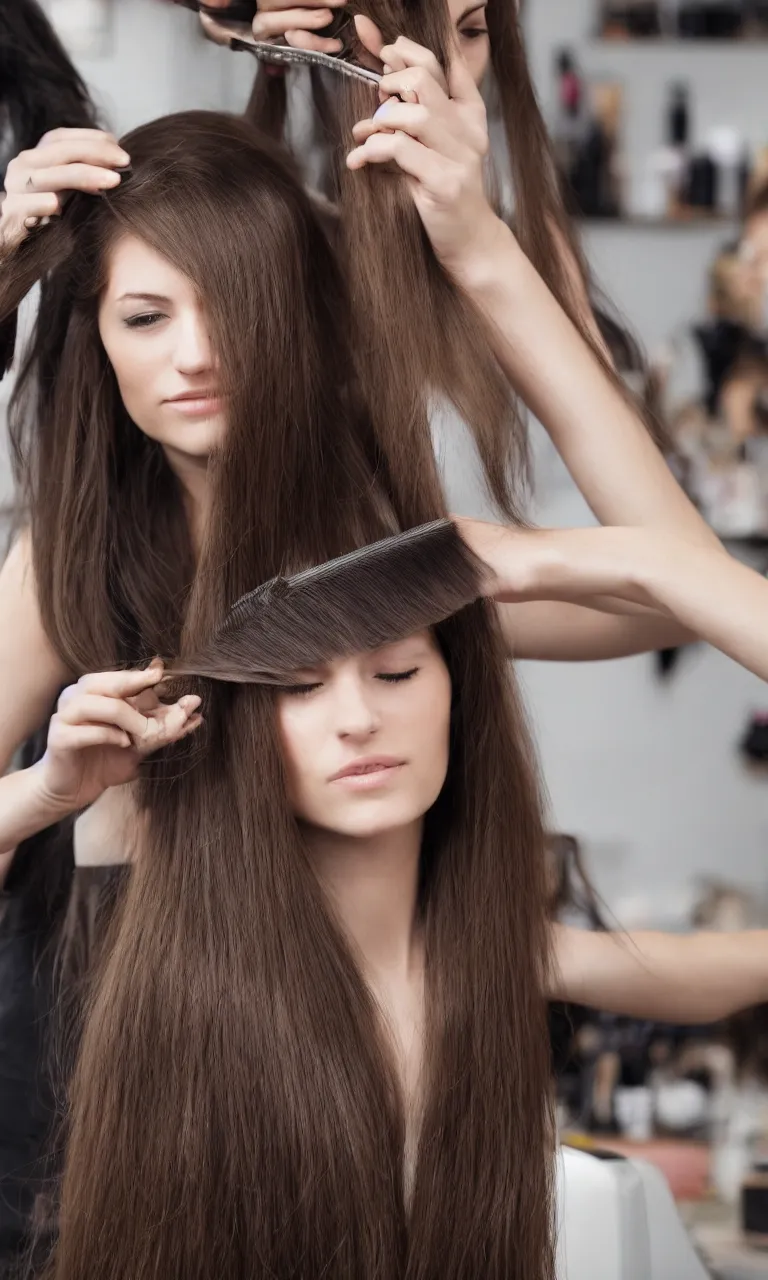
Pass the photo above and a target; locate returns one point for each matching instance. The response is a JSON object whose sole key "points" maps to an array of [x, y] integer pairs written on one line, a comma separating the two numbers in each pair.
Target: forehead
{"points": [[134, 266]]}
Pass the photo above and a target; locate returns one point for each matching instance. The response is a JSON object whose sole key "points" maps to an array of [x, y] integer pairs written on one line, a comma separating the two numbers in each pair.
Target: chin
{"points": [[379, 820], [197, 441]]}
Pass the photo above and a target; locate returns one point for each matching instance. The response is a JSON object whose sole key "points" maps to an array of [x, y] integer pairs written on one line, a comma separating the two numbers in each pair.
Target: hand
{"points": [[438, 137], [276, 19], [580, 566], [103, 728], [65, 160]]}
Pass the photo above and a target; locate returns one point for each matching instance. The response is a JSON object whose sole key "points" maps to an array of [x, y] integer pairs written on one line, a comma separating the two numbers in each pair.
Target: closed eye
{"points": [[300, 688], [395, 677], [473, 33], [144, 321]]}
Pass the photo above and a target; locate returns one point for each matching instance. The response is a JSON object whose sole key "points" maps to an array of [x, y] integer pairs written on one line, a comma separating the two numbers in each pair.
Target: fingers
{"points": [[415, 120], [278, 6], [78, 708], [369, 35], [63, 736], [77, 135], [415, 84], [320, 44], [406, 55], [441, 177], [121, 684], [72, 177], [268, 26], [170, 724], [70, 158]]}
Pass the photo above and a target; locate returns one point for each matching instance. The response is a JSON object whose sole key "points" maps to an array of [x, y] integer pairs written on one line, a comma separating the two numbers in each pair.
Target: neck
{"points": [[192, 475], [373, 885]]}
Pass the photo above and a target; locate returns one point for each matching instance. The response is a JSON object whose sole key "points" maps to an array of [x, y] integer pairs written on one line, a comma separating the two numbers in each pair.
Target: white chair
{"points": [[617, 1220]]}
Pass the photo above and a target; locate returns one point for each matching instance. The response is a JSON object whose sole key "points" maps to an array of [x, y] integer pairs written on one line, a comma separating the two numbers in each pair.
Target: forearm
{"points": [[703, 590], [24, 811], [695, 979], [547, 631], [717, 598], [600, 437]]}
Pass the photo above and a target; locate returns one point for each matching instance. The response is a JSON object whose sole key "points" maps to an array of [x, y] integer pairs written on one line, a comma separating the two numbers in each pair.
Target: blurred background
{"points": [[657, 767]]}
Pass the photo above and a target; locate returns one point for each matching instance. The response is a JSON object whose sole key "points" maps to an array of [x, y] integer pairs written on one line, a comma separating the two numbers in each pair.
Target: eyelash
{"points": [[395, 677], [474, 33], [144, 322]]}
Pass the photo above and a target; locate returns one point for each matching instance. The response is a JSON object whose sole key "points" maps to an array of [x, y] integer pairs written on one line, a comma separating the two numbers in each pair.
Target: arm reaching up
{"points": [[696, 978]]}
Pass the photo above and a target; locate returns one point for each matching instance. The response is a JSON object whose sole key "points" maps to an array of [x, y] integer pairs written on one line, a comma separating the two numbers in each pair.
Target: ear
{"points": [[369, 35]]}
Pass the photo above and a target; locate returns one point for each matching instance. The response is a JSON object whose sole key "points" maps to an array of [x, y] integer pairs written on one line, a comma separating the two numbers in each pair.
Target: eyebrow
{"points": [[143, 297], [474, 8]]}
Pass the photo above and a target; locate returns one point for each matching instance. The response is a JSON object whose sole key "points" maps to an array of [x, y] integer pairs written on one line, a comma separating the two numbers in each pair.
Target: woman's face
{"points": [[468, 18], [154, 333], [366, 739]]}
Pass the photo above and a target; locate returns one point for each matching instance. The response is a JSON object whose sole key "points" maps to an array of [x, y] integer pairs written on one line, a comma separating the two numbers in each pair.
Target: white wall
{"points": [[646, 773]]}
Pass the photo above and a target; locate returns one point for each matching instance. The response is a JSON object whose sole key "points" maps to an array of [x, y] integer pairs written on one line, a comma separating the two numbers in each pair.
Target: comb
{"points": [[280, 54], [353, 604]]}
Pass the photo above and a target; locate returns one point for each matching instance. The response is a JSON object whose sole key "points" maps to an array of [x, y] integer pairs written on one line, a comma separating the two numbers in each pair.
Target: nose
{"points": [[355, 710], [193, 349]]}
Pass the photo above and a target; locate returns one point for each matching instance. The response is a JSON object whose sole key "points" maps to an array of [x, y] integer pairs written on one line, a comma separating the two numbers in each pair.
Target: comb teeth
{"points": [[358, 602]]}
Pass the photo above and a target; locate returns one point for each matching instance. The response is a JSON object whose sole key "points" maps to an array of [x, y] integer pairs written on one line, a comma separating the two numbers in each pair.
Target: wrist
{"points": [[43, 805], [491, 251]]}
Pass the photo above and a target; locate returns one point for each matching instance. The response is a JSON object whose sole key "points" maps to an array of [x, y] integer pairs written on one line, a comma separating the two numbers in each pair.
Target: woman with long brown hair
{"points": [[182, 472], [476, 268], [315, 1044]]}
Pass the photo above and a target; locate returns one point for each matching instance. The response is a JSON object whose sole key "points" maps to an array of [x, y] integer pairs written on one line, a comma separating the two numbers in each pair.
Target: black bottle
{"points": [[678, 117]]}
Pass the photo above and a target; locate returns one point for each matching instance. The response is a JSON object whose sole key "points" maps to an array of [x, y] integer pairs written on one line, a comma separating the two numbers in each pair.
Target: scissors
{"points": [[241, 13]]}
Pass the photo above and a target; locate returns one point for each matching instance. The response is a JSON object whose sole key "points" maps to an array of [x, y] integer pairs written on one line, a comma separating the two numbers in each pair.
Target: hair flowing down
{"points": [[399, 287], [234, 1108]]}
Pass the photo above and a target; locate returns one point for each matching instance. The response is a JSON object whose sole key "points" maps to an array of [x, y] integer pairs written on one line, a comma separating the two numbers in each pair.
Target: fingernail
{"points": [[112, 181], [126, 159], [383, 109], [190, 702], [387, 69], [31, 223]]}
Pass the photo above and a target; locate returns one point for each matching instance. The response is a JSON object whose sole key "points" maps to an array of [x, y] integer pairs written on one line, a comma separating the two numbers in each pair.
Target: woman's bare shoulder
{"points": [[31, 672]]}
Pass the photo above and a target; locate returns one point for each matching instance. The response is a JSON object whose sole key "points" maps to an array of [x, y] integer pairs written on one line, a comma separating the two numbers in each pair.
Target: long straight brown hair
{"points": [[398, 286], [234, 1109]]}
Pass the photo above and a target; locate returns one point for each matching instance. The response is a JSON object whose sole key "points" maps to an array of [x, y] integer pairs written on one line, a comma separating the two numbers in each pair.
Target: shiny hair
{"points": [[234, 1108]]}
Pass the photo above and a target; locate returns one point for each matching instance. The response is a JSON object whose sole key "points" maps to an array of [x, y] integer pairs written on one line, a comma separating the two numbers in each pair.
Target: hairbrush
{"points": [[279, 53], [353, 604]]}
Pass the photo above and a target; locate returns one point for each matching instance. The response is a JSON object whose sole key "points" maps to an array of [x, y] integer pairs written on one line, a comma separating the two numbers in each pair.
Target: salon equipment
{"points": [[236, 22], [617, 1220]]}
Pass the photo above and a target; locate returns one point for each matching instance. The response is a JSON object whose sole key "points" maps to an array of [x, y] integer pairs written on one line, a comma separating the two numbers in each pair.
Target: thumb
{"points": [[461, 84], [369, 35]]}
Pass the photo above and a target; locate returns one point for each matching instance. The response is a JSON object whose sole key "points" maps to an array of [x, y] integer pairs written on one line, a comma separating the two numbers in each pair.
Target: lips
{"points": [[364, 767], [206, 393]]}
